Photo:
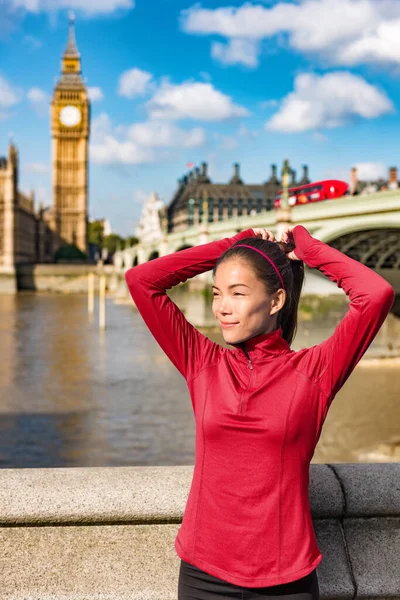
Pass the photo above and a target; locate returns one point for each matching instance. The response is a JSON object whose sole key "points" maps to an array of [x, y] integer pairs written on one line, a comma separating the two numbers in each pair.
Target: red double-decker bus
{"points": [[314, 192]]}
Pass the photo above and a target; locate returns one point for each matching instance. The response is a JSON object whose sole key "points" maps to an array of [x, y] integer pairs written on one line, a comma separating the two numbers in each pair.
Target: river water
{"points": [[71, 395]]}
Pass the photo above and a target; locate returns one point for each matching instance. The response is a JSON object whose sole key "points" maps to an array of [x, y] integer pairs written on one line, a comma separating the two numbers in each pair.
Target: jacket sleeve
{"points": [[187, 348], [330, 363]]}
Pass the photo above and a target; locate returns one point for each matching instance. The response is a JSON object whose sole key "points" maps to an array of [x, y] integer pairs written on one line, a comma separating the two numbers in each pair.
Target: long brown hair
{"points": [[292, 273]]}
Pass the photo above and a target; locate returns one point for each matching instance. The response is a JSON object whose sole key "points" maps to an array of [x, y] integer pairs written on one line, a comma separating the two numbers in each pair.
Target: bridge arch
{"points": [[377, 247], [328, 233]]}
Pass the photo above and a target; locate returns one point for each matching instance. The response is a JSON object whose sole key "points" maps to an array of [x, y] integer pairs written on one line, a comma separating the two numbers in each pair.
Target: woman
{"points": [[259, 407]]}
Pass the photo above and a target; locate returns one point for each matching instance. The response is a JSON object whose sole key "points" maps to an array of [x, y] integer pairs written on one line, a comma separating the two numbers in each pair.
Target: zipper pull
{"points": [[247, 356]]}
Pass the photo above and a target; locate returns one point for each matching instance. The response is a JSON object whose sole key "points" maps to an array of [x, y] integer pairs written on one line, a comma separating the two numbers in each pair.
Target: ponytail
{"points": [[289, 312]]}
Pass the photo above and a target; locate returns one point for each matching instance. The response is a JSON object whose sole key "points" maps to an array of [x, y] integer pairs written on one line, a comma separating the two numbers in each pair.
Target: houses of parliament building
{"points": [[29, 235]]}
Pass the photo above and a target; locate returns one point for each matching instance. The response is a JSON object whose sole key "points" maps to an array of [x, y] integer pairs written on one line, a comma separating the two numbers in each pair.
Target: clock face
{"points": [[70, 116]]}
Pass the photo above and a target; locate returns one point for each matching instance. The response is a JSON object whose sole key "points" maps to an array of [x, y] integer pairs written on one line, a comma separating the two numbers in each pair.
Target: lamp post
{"points": [[284, 212], [285, 185], [203, 233]]}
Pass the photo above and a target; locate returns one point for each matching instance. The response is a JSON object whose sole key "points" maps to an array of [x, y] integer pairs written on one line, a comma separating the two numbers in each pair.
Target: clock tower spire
{"points": [[70, 118]]}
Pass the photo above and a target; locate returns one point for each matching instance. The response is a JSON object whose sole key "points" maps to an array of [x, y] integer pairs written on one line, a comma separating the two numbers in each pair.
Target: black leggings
{"points": [[195, 584]]}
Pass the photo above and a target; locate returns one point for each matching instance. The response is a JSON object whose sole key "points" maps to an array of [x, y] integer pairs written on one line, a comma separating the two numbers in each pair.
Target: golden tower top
{"points": [[71, 49], [71, 62]]}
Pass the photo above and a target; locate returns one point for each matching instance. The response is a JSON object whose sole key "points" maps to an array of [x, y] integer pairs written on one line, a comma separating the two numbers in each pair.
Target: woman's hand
{"points": [[264, 234], [288, 238]]}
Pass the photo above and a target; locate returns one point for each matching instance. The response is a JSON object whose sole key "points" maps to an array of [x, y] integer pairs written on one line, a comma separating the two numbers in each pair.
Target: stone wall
{"points": [[61, 278], [108, 533]]}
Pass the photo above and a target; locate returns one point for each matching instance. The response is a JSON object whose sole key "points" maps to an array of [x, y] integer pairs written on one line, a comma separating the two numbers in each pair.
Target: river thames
{"points": [[71, 395]]}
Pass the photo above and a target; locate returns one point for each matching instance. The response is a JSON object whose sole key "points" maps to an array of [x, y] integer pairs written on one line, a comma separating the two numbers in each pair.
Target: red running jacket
{"points": [[247, 519]]}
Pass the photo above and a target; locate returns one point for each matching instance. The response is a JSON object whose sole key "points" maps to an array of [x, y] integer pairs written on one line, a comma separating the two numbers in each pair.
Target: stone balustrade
{"points": [[108, 533]]}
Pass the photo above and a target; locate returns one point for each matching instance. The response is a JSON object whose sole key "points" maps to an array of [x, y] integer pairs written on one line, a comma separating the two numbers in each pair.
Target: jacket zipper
{"points": [[248, 387], [248, 359]]}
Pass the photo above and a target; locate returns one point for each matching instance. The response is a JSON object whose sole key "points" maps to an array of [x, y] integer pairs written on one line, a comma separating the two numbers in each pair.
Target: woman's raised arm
{"points": [[187, 348], [330, 363]]}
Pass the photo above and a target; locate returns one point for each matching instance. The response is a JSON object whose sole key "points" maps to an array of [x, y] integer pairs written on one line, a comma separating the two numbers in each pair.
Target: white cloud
{"points": [[192, 100], [346, 32], [244, 131], [9, 95], [236, 51], [382, 45], [39, 100], [39, 168], [155, 134], [110, 150], [95, 94], [140, 142], [370, 171], [366, 171], [106, 148], [37, 96], [134, 82], [101, 126], [86, 6], [327, 101]]}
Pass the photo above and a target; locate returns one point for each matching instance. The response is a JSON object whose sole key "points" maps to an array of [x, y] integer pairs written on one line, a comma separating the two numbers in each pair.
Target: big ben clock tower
{"points": [[70, 118]]}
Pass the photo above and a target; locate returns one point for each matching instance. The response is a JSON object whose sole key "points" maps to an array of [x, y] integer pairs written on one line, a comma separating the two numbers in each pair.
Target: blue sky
{"points": [[173, 82]]}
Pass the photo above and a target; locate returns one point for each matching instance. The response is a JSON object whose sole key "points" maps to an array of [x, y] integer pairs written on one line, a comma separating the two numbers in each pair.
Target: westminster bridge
{"points": [[366, 228]]}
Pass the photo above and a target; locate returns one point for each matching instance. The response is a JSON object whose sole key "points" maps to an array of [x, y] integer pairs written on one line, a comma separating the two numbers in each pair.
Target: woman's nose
{"points": [[224, 307]]}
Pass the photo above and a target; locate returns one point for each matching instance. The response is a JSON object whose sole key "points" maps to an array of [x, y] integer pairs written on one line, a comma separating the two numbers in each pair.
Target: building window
{"points": [[221, 209], [240, 207], [259, 203], [201, 210], [269, 204], [210, 210], [230, 208]]}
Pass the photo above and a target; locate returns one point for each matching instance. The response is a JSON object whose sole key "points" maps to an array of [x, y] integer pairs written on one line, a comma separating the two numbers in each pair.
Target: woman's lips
{"points": [[227, 325]]}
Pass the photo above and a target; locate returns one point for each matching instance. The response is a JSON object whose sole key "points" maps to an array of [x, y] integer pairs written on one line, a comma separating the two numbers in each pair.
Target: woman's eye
{"points": [[215, 295]]}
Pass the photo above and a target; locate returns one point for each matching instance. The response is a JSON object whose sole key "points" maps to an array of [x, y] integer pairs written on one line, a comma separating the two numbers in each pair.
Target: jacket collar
{"points": [[265, 344]]}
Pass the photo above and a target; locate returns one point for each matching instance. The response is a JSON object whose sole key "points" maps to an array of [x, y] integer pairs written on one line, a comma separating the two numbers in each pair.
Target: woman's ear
{"points": [[277, 301]]}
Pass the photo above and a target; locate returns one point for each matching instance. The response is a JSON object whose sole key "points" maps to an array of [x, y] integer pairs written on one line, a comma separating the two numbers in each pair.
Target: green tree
{"points": [[113, 242], [69, 252], [96, 233], [131, 240]]}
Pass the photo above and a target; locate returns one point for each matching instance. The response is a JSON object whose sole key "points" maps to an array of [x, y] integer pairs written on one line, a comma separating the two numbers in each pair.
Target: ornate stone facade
{"points": [[198, 198], [25, 237], [150, 227]]}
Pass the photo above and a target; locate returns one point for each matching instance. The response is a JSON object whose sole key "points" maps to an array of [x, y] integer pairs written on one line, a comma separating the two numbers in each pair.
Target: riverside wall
{"points": [[57, 278], [108, 533]]}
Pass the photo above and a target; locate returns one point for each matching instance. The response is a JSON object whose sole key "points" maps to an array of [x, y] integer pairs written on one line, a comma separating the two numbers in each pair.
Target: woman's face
{"points": [[241, 300]]}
